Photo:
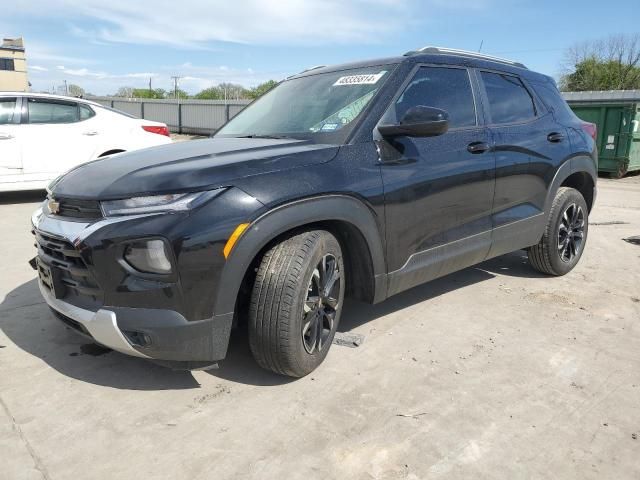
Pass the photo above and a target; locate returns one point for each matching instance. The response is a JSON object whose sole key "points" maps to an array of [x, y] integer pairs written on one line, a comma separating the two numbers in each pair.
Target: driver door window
{"points": [[448, 89]]}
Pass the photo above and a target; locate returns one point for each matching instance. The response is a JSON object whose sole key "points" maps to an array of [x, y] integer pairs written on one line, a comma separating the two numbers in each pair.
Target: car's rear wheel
{"points": [[296, 303], [565, 236]]}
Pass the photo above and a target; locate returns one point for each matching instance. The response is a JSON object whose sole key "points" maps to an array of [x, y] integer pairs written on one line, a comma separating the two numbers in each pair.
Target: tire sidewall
{"points": [[570, 196]]}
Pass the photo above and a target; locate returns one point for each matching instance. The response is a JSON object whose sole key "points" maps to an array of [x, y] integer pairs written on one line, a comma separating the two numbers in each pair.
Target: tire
{"points": [[565, 235], [286, 310]]}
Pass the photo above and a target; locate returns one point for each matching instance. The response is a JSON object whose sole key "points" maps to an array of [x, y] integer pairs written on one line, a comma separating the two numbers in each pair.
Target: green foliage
{"points": [[262, 89], [211, 93], [146, 93], [232, 91], [594, 74]]}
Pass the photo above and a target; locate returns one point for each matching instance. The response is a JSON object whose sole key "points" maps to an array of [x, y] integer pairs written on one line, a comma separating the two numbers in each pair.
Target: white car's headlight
{"points": [[173, 202]]}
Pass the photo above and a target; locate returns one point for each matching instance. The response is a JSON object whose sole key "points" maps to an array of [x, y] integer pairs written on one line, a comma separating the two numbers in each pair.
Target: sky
{"points": [[103, 45]]}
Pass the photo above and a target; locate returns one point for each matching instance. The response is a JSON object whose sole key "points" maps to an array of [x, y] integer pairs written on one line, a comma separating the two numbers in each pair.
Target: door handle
{"points": [[555, 137], [90, 133], [5, 136], [478, 147]]}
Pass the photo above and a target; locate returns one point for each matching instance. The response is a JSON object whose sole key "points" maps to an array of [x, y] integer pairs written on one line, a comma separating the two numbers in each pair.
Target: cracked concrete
{"points": [[492, 372]]}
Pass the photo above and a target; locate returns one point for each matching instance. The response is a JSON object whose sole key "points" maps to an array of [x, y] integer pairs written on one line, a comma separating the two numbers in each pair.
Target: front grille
{"points": [[74, 208], [71, 269]]}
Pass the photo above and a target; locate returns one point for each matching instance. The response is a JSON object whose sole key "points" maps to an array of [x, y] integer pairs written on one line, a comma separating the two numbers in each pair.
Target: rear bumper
{"points": [[148, 333]]}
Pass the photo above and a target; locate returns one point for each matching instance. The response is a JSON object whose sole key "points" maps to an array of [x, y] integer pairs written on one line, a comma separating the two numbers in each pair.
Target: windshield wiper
{"points": [[277, 137]]}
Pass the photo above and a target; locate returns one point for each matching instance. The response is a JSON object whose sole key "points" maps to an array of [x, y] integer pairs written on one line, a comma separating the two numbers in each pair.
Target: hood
{"points": [[191, 165]]}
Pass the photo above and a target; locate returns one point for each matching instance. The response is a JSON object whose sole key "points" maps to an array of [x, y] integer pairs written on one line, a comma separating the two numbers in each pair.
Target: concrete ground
{"points": [[492, 372]]}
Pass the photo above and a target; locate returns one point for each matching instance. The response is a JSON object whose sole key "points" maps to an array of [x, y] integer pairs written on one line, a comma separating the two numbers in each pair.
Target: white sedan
{"points": [[42, 136]]}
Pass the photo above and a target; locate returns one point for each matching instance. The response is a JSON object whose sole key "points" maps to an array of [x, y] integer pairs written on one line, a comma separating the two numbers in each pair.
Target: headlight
{"points": [[173, 202]]}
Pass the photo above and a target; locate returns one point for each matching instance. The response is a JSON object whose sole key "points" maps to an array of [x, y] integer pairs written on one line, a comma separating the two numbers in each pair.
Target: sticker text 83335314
{"points": [[368, 79]]}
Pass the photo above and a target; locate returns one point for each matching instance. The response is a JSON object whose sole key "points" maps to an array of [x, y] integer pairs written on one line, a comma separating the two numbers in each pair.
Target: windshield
{"points": [[322, 107]]}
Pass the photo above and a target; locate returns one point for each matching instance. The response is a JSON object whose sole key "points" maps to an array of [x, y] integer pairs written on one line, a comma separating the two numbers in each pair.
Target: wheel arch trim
{"points": [[284, 218], [576, 164]]}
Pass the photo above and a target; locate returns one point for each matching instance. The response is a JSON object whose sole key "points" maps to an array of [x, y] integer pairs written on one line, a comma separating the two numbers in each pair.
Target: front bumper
{"points": [[171, 319], [170, 337]]}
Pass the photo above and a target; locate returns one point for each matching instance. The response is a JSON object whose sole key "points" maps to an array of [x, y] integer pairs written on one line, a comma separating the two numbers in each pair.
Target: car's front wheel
{"points": [[565, 236], [296, 303]]}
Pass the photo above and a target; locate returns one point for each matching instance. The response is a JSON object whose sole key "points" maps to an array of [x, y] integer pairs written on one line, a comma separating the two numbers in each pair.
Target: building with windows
{"points": [[13, 66]]}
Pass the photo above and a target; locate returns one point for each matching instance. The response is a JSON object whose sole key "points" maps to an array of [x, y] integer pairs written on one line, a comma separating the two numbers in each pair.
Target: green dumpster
{"points": [[617, 115]]}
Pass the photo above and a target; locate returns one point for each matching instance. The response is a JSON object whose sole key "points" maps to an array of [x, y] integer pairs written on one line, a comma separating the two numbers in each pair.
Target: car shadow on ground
{"points": [[26, 320]]}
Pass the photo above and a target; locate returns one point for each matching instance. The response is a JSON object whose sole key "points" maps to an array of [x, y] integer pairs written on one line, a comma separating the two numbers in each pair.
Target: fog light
{"points": [[148, 256]]}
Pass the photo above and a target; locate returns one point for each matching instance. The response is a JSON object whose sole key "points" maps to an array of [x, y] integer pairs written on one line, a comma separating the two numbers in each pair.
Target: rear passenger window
{"points": [[7, 110], [509, 100], [446, 88], [86, 112], [49, 111]]}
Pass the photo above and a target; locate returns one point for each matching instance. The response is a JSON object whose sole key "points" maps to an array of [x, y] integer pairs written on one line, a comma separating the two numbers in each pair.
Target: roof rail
{"points": [[312, 68], [463, 53]]}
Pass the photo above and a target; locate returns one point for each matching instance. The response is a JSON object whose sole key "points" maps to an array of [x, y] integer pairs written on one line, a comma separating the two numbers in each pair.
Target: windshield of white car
{"points": [[323, 107]]}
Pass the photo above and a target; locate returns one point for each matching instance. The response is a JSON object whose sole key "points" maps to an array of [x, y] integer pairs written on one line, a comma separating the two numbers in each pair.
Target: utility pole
{"points": [[66, 88], [150, 89], [175, 85]]}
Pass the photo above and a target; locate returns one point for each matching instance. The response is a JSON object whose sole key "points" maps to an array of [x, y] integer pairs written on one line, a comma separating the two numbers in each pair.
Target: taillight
{"points": [[164, 130], [591, 129]]}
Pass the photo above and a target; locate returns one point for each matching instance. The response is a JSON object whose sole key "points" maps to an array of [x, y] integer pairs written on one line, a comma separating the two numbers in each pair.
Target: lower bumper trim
{"points": [[101, 325]]}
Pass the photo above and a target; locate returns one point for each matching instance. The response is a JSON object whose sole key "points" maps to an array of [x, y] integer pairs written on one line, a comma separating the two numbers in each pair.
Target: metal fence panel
{"points": [[163, 112], [203, 117], [183, 116], [132, 108]]}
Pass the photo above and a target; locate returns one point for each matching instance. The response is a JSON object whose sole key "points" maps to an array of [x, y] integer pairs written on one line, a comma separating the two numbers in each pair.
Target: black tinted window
{"points": [[445, 88], [7, 110], [7, 64], [49, 111], [509, 100], [553, 100]]}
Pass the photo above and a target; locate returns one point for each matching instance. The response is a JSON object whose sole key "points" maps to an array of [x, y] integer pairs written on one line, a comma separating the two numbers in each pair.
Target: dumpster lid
{"points": [[603, 96]]}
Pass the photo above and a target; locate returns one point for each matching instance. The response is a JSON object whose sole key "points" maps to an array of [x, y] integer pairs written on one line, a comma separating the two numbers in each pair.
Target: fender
{"points": [[289, 216], [578, 163]]}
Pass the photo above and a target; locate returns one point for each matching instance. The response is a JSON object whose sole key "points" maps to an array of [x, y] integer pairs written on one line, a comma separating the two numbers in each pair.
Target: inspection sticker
{"points": [[369, 79]]}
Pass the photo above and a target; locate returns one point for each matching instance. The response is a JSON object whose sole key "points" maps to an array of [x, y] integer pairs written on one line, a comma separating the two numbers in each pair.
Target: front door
{"points": [[438, 190], [53, 137]]}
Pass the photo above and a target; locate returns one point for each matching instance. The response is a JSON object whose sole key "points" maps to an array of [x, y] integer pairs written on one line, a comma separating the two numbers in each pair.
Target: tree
{"points": [[609, 64], [180, 94], [126, 92], [146, 93], [211, 93], [262, 89], [76, 91]]}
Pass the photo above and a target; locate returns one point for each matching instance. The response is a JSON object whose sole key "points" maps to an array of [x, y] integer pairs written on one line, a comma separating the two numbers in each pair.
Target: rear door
{"points": [[53, 136], [10, 153], [438, 190], [529, 145]]}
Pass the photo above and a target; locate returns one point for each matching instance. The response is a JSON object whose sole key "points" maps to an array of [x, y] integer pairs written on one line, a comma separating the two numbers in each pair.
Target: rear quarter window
{"points": [[509, 100], [552, 98]]}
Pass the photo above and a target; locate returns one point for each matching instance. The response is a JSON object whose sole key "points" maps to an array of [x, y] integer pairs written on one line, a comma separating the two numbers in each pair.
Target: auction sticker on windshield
{"points": [[368, 79]]}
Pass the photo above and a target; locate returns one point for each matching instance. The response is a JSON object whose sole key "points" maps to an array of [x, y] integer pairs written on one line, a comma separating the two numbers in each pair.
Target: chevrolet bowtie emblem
{"points": [[54, 207]]}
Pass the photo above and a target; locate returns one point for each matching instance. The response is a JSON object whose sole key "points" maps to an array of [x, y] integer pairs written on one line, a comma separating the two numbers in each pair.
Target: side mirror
{"points": [[419, 121]]}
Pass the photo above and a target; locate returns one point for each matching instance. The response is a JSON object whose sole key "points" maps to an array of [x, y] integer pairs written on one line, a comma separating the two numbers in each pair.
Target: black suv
{"points": [[358, 180]]}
